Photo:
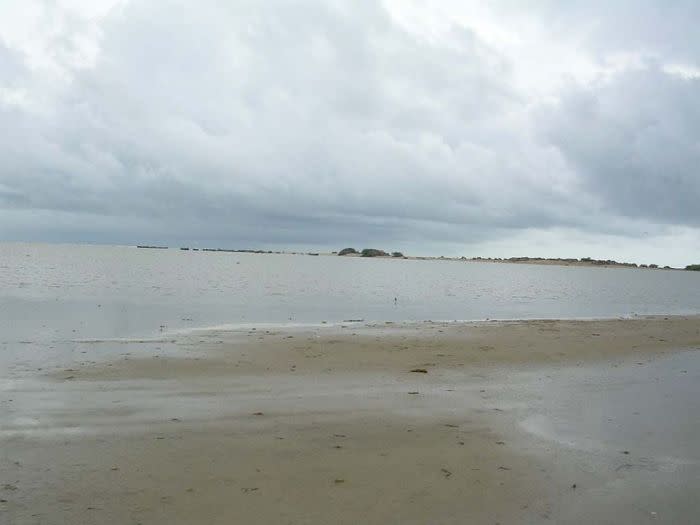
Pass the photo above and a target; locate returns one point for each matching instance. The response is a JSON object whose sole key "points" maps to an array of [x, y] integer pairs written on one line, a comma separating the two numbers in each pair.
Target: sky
{"points": [[502, 128]]}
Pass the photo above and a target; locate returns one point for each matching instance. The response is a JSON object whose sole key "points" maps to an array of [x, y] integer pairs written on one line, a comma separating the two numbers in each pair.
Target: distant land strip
{"points": [[377, 253]]}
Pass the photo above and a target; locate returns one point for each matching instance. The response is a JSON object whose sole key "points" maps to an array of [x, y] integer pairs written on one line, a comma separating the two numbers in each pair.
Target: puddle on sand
{"points": [[634, 429], [652, 408]]}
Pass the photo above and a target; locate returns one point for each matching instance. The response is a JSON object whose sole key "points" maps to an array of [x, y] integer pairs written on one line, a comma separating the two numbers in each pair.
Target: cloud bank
{"points": [[450, 127]]}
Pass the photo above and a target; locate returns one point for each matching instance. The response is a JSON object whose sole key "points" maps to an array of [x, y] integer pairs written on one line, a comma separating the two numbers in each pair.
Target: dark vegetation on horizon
{"points": [[373, 252], [693, 267], [370, 252], [587, 260]]}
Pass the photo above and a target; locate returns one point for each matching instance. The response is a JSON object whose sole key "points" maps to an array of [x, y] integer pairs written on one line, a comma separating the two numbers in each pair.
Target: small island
{"points": [[370, 252]]}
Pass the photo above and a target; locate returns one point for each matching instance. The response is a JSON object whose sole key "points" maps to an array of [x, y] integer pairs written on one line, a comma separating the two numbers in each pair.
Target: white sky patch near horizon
{"points": [[669, 248]]}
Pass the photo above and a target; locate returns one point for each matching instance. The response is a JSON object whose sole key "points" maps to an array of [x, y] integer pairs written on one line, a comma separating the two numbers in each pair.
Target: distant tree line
{"points": [[369, 252]]}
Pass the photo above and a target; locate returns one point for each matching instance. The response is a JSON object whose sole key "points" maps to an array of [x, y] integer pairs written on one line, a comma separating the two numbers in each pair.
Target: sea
{"points": [[54, 292]]}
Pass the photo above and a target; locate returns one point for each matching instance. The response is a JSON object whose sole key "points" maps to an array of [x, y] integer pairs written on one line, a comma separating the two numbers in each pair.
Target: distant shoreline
{"points": [[542, 261]]}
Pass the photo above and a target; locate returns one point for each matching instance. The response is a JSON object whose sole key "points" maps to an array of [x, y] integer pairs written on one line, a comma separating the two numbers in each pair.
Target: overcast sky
{"points": [[507, 128]]}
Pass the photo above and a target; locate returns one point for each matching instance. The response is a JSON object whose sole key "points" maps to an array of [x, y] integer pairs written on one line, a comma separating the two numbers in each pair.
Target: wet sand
{"points": [[494, 422]]}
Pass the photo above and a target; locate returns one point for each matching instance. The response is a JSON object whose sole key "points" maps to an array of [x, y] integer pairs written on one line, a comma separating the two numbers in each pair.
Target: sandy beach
{"points": [[490, 422]]}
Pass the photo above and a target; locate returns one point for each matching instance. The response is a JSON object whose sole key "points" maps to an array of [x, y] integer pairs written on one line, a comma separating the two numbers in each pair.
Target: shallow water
{"points": [[634, 425], [652, 408], [64, 292]]}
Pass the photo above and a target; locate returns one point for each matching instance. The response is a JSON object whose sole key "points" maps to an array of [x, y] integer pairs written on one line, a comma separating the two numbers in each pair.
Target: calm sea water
{"points": [[59, 292]]}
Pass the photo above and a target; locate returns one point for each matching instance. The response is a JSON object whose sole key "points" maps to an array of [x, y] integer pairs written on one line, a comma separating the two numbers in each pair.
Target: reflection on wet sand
{"points": [[568, 421]]}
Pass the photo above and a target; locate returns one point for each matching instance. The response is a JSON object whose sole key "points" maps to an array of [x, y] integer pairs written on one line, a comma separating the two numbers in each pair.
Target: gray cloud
{"points": [[635, 143], [665, 29], [314, 123]]}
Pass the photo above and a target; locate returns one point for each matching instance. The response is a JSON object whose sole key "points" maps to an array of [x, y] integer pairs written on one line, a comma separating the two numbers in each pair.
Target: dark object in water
{"points": [[152, 247], [420, 370]]}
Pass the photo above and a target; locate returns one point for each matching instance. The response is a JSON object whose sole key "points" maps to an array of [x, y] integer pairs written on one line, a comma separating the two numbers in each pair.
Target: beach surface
{"points": [[489, 422]]}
